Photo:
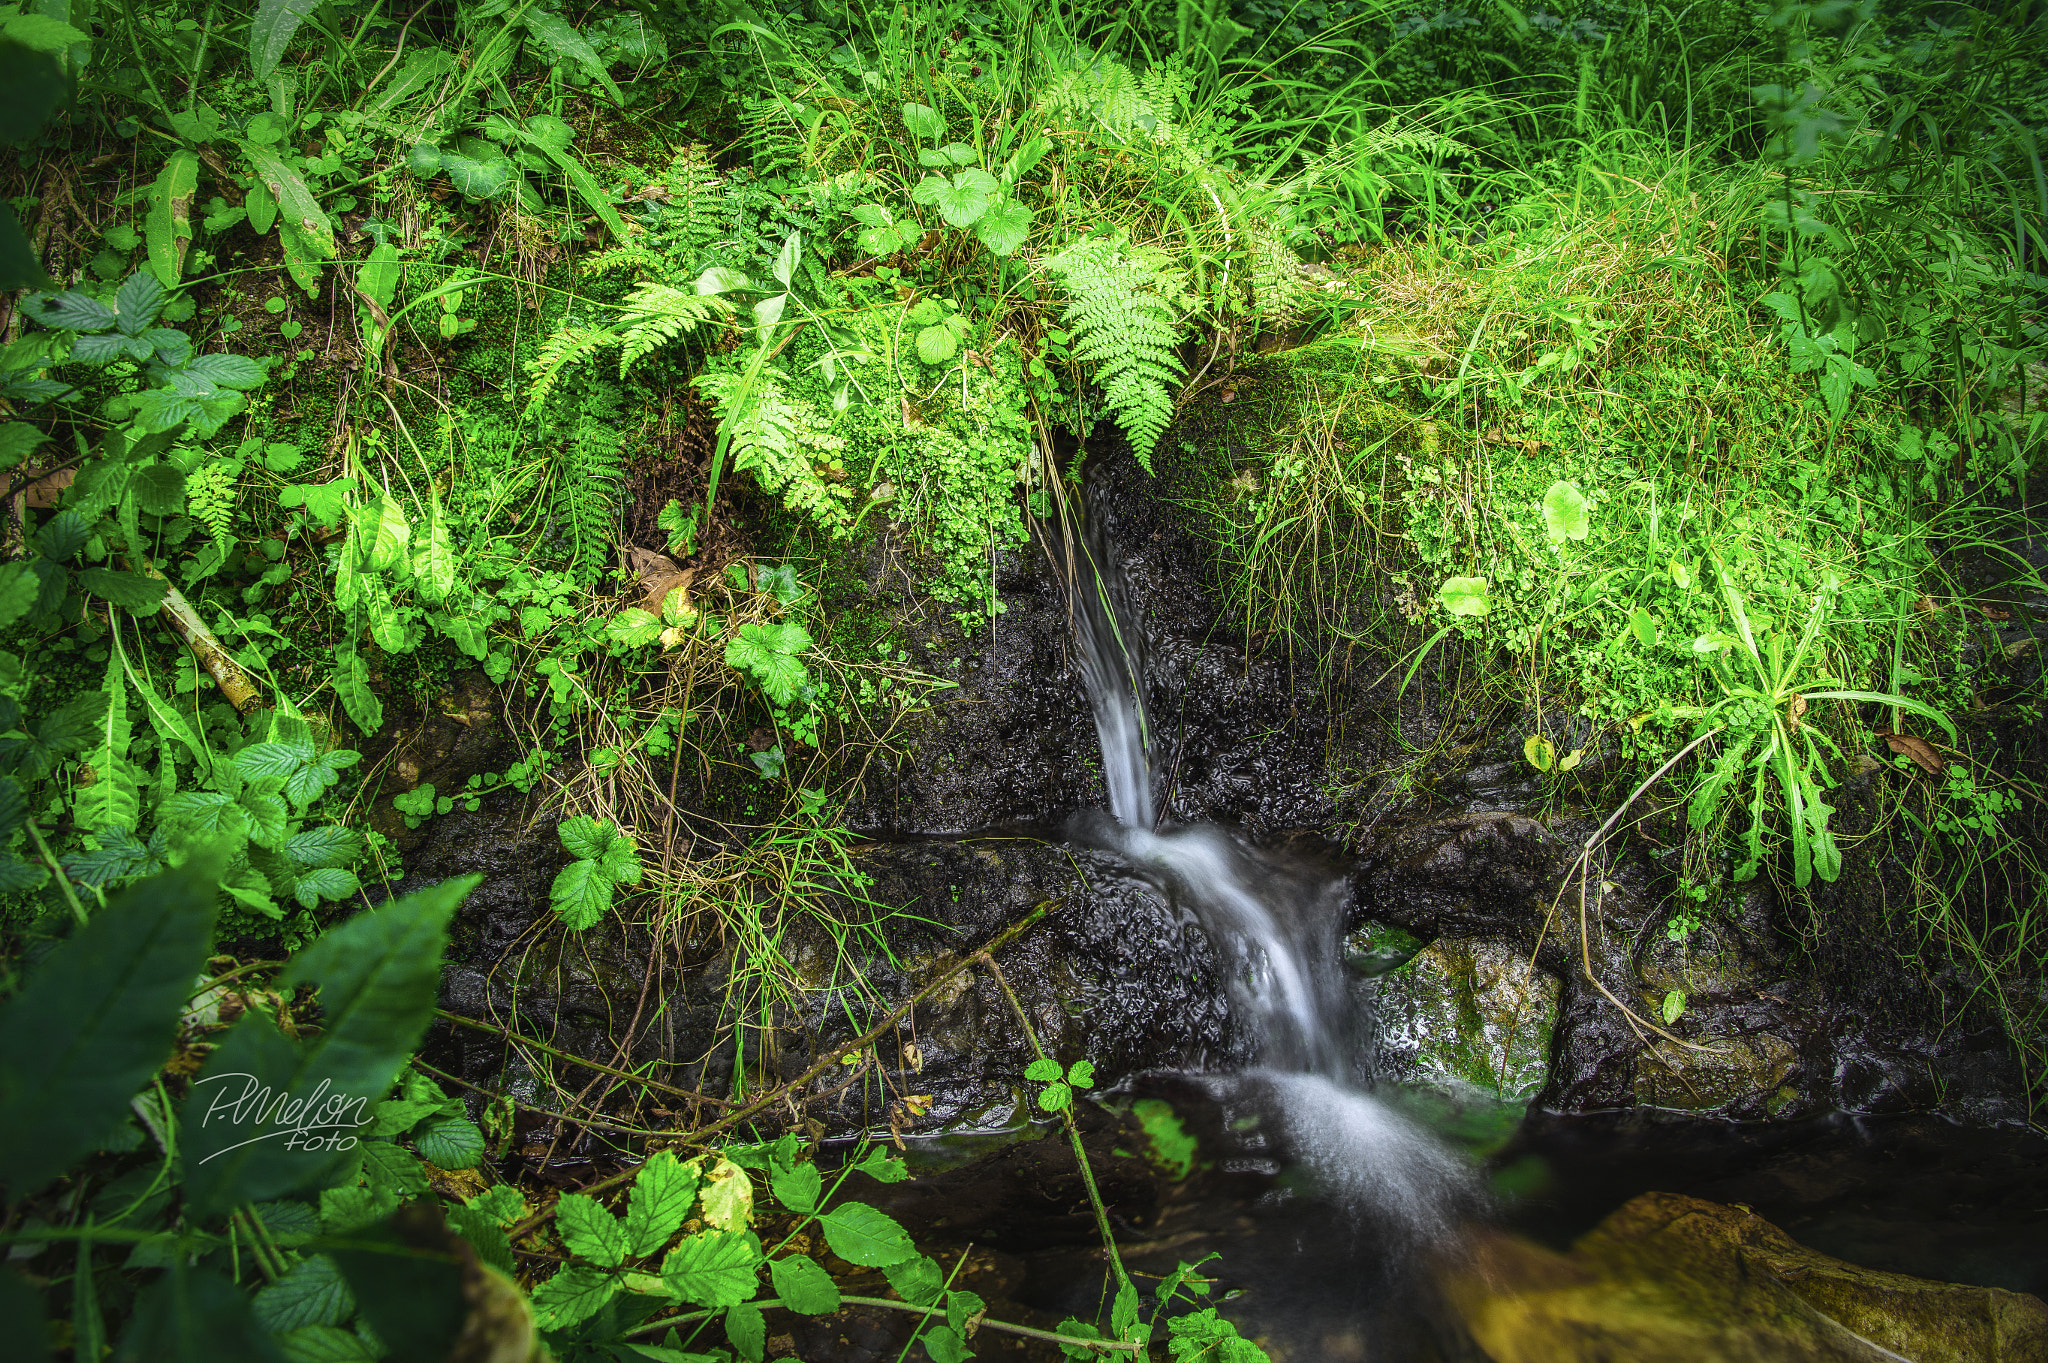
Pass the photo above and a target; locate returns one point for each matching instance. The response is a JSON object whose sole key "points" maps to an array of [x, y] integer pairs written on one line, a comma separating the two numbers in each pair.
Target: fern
{"points": [[1120, 309], [778, 439], [656, 314], [210, 499], [570, 345], [589, 467]]}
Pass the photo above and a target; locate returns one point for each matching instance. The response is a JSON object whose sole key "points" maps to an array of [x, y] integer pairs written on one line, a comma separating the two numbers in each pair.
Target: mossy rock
{"points": [[1719, 1073], [1468, 1015]]}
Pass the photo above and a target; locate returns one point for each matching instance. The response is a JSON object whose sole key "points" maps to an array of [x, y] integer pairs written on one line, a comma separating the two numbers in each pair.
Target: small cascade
{"points": [[1278, 921]]}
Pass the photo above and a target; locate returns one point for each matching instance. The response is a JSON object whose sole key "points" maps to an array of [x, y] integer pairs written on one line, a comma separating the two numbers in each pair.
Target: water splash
{"points": [[1276, 919]]}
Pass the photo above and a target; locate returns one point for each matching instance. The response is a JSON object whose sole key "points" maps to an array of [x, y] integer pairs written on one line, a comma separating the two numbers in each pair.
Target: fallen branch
{"points": [[773, 1095], [545, 1049]]}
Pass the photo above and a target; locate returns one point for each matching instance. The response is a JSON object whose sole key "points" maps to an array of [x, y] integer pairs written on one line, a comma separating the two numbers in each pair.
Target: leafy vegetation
{"points": [[1677, 376]]}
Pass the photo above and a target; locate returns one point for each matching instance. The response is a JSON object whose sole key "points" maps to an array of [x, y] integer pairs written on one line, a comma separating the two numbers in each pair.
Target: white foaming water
{"points": [[1279, 922]]}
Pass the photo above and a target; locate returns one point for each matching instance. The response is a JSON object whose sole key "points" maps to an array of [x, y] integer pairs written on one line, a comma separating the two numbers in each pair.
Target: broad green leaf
{"points": [[271, 33], [379, 975], [326, 845], [962, 201], [137, 302], [590, 1230], [351, 681], [588, 838], [450, 1142], [769, 653], [168, 226], [944, 1344], [803, 1286], [862, 1235], [205, 813], [882, 1167], [296, 204], [326, 1344], [1540, 752], [1465, 596], [18, 591], [1673, 1007], [924, 122], [581, 895], [662, 1193], [572, 1296], [379, 275], [633, 627], [1081, 1074], [918, 1280], [747, 1331], [312, 1293], [797, 1188], [1004, 227], [111, 800], [714, 1269], [1681, 575], [560, 37], [1042, 1070], [193, 1315], [1056, 1097], [95, 1019], [132, 592], [324, 882], [1644, 626], [1566, 513], [937, 344]]}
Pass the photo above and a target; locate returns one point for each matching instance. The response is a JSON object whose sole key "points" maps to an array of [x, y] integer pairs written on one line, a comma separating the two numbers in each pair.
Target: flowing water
{"points": [[1277, 920]]}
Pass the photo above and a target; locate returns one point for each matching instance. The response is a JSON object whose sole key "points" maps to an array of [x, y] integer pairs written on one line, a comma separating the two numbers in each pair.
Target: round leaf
{"points": [[1541, 753], [1464, 596], [937, 344], [1566, 513]]}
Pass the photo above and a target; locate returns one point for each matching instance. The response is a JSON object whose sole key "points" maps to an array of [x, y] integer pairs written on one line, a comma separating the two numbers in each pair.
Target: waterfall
{"points": [[1276, 920]]}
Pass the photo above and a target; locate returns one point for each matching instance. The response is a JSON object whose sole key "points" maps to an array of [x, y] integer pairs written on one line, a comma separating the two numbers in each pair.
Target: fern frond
{"points": [[1125, 328], [778, 439], [568, 346], [657, 314], [591, 466]]}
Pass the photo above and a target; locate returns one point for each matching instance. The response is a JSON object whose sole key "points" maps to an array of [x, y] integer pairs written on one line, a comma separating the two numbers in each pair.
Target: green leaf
{"points": [[158, 490], [747, 1331], [797, 1188], [137, 302], [1644, 625], [944, 1344], [919, 1280], [95, 1019], [572, 1296], [803, 1286], [1081, 1074], [111, 801], [924, 122], [271, 33], [588, 838], [1056, 1097], [581, 895], [351, 680], [1673, 1007], [1465, 596], [297, 206], [937, 344], [962, 201], [882, 1167], [1004, 227], [325, 1344], [324, 882], [590, 1230], [132, 592], [862, 1235], [633, 627], [312, 1293], [1042, 1070], [168, 226], [379, 974], [18, 591], [726, 1196], [662, 1193], [1566, 513], [193, 1315], [769, 654], [1540, 752], [560, 37], [449, 1142], [714, 1269]]}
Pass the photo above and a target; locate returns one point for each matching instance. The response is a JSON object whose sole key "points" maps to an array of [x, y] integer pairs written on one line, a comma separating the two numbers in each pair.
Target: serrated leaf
{"points": [[581, 895], [588, 838], [768, 653], [1056, 1097], [207, 813], [590, 1230], [663, 1191], [883, 1167], [137, 302], [1042, 1070], [862, 1235], [378, 975], [449, 1142], [1004, 227], [943, 1344], [120, 856], [227, 371], [1081, 1074], [725, 1195], [797, 1188], [95, 1019], [714, 1269], [633, 627], [325, 846], [63, 535], [325, 1344], [924, 122], [158, 490], [132, 592], [572, 1296], [72, 311], [312, 1293], [803, 1286], [962, 204], [919, 1281], [747, 1330]]}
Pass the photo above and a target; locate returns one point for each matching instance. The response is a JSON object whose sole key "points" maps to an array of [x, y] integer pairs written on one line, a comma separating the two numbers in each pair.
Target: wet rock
{"points": [[1467, 1013], [1375, 948], [1681, 1280], [1716, 1073]]}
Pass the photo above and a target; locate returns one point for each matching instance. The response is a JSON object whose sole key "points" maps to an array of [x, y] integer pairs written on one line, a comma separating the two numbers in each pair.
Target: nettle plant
{"points": [[605, 857]]}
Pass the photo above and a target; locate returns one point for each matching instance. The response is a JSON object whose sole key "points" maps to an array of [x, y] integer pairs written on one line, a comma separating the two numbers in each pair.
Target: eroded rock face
{"points": [[1681, 1280]]}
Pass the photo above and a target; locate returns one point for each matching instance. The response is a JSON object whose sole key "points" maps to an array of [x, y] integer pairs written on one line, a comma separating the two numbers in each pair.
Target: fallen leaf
{"points": [[1796, 709], [1918, 750], [1995, 613], [658, 575]]}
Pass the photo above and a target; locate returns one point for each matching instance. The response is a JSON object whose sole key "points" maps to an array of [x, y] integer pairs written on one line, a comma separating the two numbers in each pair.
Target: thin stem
{"points": [[654, 1327], [63, 881]]}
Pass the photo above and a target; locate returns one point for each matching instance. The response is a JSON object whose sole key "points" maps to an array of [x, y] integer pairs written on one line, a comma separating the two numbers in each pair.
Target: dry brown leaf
{"points": [[1918, 750], [1798, 708], [658, 575]]}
